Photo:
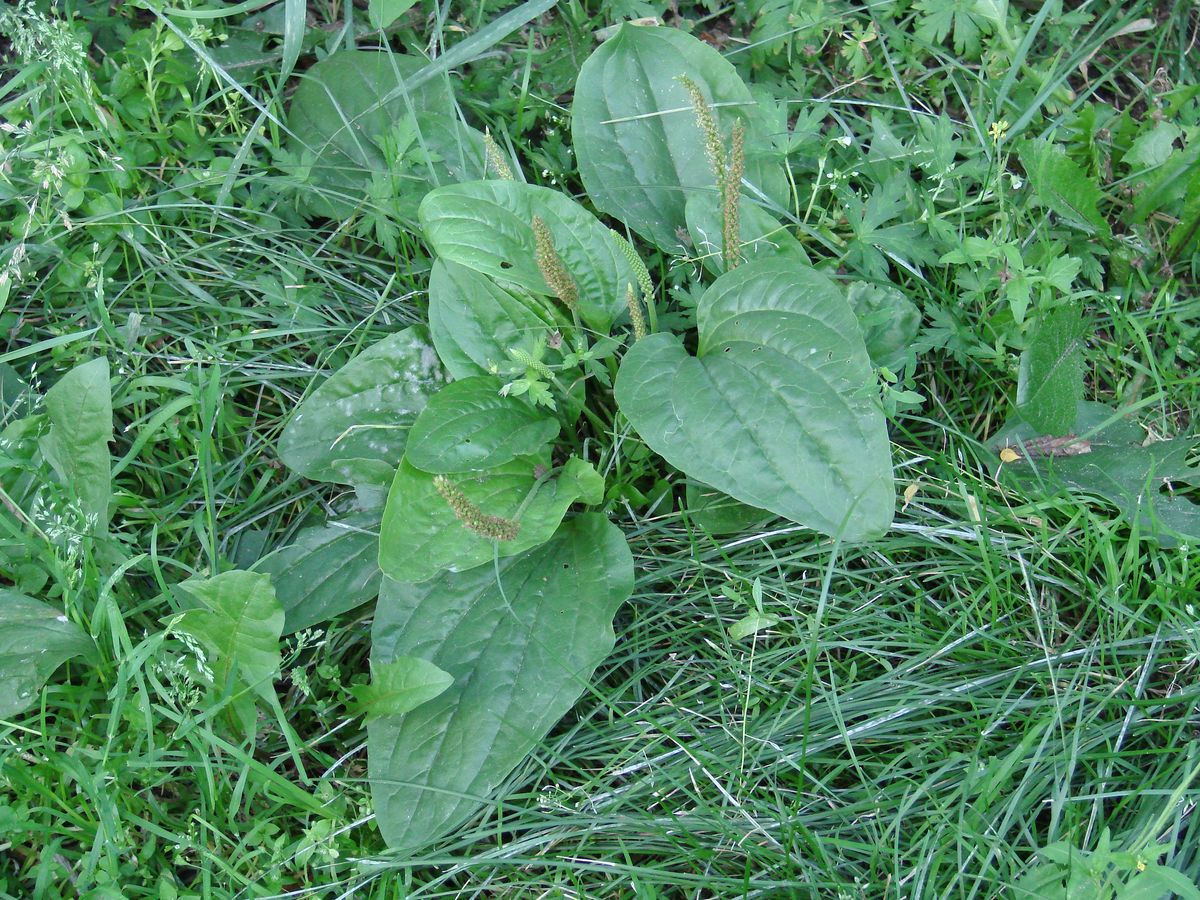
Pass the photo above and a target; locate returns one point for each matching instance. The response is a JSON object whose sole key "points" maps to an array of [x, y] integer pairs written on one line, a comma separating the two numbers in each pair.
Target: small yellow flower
{"points": [[998, 130]]}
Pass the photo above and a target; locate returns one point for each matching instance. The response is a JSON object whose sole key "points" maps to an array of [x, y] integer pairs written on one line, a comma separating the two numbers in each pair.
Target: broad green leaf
{"points": [[474, 320], [20, 463], [327, 570], [1050, 380], [488, 226], [356, 120], [1149, 484], [383, 13], [1152, 148], [16, 399], [468, 426], [239, 624], [1154, 882], [718, 513], [355, 425], [1170, 184], [1185, 237], [762, 235], [1063, 186], [421, 535], [35, 639], [520, 648], [79, 408], [400, 686], [641, 154], [889, 322], [778, 409]]}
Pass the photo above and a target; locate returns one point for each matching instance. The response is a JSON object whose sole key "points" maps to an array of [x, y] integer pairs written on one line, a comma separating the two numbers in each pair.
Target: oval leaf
{"points": [[520, 648], [35, 639], [79, 408], [422, 536], [357, 122], [778, 410], [488, 226], [383, 13], [889, 322], [718, 513], [474, 321], [363, 412], [327, 570], [468, 426], [641, 154]]}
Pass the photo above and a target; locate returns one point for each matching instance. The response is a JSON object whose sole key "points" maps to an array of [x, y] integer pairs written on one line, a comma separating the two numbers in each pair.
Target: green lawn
{"points": [[997, 696]]}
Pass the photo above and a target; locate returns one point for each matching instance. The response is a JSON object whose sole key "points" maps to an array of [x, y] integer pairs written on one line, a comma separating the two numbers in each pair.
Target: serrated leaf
{"points": [[641, 154], [35, 639], [1063, 186], [778, 408], [468, 426], [941, 17], [239, 625], [488, 226], [79, 408], [348, 114], [327, 570], [521, 641], [399, 686], [1050, 379], [421, 535], [474, 320], [1148, 484], [355, 425]]}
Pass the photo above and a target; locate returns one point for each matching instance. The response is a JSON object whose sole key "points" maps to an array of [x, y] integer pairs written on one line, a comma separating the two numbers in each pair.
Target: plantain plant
{"points": [[551, 389]]}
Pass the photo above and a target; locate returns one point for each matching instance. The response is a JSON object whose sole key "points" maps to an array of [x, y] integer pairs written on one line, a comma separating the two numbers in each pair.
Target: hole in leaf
{"points": [[1179, 491], [505, 264]]}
